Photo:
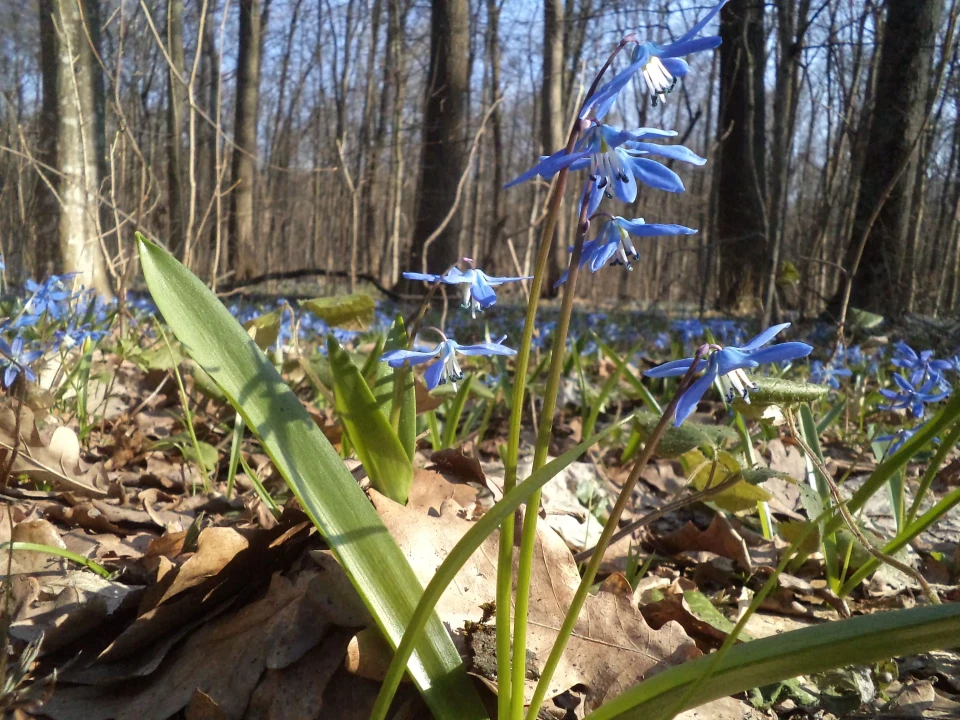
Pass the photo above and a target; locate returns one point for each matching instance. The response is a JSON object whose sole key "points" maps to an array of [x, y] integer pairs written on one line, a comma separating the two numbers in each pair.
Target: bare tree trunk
{"points": [[497, 217], [791, 29], [243, 254], [443, 156], [902, 85], [552, 121], [176, 106], [741, 212], [80, 234], [47, 256]]}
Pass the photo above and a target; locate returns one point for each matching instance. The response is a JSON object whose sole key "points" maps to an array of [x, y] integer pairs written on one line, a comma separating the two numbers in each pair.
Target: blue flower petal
{"points": [[397, 358], [434, 374], [781, 352], [674, 368], [688, 47], [641, 229], [766, 336], [481, 349], [652, 173], [482, 292], [702, 23], [674, 152], [676, 66], [688, 402], [426, 277]]}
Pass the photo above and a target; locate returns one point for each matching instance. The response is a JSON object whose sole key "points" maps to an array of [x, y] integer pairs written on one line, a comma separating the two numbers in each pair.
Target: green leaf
{"points": [[325, 488], [265, 329], [407, 424], [452, 419], [859, 640], [757, 475], [740, 497], [862, 319], [675, 441], [377, 445], [353, 312]]}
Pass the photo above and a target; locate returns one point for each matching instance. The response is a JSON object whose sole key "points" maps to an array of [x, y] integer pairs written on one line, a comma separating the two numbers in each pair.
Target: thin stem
{"points": [[60, 552], [544, 433], [505, 559], [609, 528]]}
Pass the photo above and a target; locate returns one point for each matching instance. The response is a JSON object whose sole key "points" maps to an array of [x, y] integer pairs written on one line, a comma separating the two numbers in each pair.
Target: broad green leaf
{"points": [[352, 312], [205, 384], [160, 357], [265, 330], [862, 319], [675, 441], [407, 422], [700, 607], [740, 497], [859, 640], [461, 552], [757, 475], [386, 462], [325, 488]]}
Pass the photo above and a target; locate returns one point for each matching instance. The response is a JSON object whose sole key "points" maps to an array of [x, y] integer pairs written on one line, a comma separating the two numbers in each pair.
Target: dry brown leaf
{"points": [[202, 707], [270, 632], [215, 548], [369, 655], [84, 515], [296, 692], [430, 489], [719, 538], [612, 646], [56, 462]]}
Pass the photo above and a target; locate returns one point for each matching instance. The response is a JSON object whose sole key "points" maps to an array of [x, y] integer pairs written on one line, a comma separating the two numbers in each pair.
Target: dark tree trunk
{"points": [[741, 213], [243, 254], [903, 80], [47, 258], [442, 159]]}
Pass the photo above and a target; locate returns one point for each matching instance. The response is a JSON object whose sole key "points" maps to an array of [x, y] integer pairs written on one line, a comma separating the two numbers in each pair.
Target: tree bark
{"points": [[443, 155], [243, 253], [47, 257], [176, 107], [552, 122], [741, 212], [903, 81], [77, 145]]}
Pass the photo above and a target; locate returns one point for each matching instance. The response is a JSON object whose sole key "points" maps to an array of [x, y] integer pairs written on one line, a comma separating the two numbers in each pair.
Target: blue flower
{"points": [[729, 331], [478, 287], [898, 438], [16, 359], [727, 364], [854, 356], [830, 373], [920, 365], [909, 397], [659, 66], [50, 297], [617, 160], [689, 329], [75, 334], [614, 239], [445, 367]]}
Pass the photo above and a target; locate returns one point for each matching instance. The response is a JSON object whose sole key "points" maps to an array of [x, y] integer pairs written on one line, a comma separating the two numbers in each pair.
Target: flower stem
{"points": [[505, 559], [550, 667], [544, 434]]}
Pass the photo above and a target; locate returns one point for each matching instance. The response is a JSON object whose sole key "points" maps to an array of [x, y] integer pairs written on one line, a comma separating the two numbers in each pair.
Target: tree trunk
{"points": [[176, 107], [552, 123], [443, 155], [243, 253], [47, 257], [903, 81], [77, 148], [741, 214]]}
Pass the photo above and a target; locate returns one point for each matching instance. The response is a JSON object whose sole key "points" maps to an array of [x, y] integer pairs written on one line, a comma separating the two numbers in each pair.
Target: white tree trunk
{"points": [[80, 236]]}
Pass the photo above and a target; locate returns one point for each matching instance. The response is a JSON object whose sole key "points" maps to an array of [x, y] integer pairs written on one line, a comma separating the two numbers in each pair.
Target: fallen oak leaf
{"points": [[611, 648], [57, 462], [719, 538]]}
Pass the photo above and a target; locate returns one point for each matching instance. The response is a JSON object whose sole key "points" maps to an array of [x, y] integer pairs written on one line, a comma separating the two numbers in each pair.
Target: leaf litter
{"points": [[216, 608]]}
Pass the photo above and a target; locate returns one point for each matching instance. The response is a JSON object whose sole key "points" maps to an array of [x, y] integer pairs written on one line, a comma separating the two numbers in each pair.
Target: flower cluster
{"points": [[619, 160]]}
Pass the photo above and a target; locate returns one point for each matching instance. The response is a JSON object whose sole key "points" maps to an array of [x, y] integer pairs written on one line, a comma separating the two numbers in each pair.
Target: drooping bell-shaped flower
{"points": [[477, 286], [658, 66], [445, 366], [729, 365]]}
